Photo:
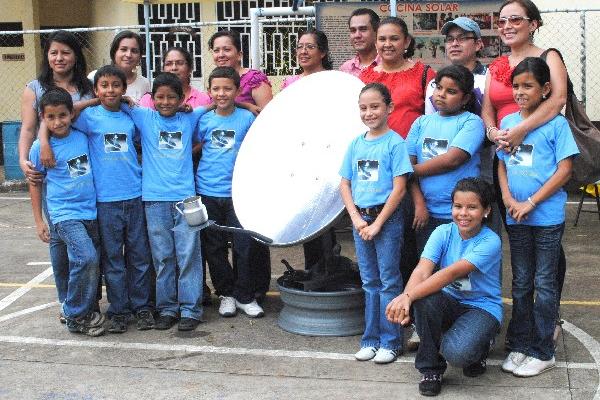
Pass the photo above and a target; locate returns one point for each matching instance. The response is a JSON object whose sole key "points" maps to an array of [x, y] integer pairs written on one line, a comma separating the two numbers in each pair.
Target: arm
{"points": [[448, 161], [29, 120], [346, 193], [46, 153], [488, 112], [35, 192], [421, 213], [391, 204], [80, 105], [507, 198], [262, 95]]}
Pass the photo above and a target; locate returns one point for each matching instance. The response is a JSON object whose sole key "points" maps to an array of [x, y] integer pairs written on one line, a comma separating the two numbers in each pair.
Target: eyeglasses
{"points": [[515, 20], [179, 63], [460, 39], [307, 46]]}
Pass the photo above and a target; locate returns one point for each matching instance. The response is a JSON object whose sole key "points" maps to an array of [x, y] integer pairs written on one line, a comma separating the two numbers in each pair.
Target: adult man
{"points": [[363, 23]]}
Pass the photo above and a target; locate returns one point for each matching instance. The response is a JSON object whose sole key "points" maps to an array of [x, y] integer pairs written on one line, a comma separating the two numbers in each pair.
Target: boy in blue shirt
{"points": [[71, 201], [221, 132]]}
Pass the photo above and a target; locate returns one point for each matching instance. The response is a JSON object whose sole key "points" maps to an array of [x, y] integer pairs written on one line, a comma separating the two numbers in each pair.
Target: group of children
{"points": [[105, 209], [454, 294]]}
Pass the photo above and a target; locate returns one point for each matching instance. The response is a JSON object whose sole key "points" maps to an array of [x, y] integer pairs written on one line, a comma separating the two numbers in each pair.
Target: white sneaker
{"points": [[365, 353], [253, 310], [412, 344], [513, 361], [531, 366], [385, 356], [227, 307]]}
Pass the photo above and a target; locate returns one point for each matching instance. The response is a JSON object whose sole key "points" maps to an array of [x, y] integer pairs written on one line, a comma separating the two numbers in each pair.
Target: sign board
{"points": [[13, 57], [424, 20]]}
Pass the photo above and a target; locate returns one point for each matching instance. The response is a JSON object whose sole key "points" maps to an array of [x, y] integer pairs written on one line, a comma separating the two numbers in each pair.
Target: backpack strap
{"points": [[424, 78], [544, 55]]}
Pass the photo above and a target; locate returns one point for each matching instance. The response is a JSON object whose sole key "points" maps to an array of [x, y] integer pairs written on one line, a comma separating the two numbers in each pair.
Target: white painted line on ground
{"points": [[584, 203], [39, 263], [591, 345], [14, 296], [14, 198], [28, 311]]}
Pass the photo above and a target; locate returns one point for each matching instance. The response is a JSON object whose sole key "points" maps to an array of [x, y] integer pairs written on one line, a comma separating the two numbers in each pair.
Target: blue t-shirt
{"points": [[167, 168], [534, 163], [432, 135], [372, 165], [481, 288], [117, 173], [70, 192], [221, 138]]}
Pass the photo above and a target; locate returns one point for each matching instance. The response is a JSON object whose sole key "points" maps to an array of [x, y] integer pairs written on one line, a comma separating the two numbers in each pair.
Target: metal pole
{"points": [[147, 30], [393, 11], [583, 57]]}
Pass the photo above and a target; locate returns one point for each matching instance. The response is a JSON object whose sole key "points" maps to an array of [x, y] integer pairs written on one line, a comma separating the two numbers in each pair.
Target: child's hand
{"points": [[358, 222], [32, 175], [47, 156], [129, 101], [254, 109], [520, 210], [186, 108], [43, 232], [369, 231], [421, 217], [398, 310]]}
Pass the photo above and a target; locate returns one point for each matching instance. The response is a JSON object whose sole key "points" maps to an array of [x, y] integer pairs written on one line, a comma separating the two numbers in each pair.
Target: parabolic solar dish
{"points": [[286, 177]]}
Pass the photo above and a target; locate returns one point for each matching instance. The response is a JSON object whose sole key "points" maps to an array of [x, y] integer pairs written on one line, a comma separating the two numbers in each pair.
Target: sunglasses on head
{"points": [[515, 20]]}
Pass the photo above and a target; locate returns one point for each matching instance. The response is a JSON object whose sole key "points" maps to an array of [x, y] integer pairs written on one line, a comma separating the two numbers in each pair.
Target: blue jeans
{"points": [[534, 254], [83, 250], [125, 255], [378, 263], [59, 259], [177, 261], [451, 331]]}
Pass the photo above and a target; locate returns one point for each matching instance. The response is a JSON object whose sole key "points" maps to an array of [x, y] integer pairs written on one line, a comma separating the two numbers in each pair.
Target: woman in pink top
{"points": [[179, 61], [312, 54]]}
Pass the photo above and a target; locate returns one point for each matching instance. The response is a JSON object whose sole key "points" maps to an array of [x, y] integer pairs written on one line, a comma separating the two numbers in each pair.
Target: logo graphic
{"points": [[434, 147], [523, 157], [115, 143], [79, 166], [368, 170], [463, 284], [222, 138], [170, 140]]}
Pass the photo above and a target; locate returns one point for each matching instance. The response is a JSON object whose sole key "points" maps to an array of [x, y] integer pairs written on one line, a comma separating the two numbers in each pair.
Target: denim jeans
{"points": [[423, 234], [83, 250], [409, 257], [452, 332], [534, 254], [238, 284], [381, 281], [59, 259], [177, 261], [125, 255]]}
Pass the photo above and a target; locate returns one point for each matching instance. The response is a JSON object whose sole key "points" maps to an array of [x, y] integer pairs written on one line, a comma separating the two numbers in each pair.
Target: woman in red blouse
{"points": [[401, 75]]}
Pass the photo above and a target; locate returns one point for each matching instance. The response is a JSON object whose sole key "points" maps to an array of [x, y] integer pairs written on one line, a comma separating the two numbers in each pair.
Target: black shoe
{"points": [[187, 324], [118, 324], [90, 325], [475, 369], [145, 320], [430, 385], [164, 322]]}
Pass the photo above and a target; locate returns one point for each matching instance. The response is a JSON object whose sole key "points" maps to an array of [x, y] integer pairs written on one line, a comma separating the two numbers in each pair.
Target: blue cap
{"points": [[464, 23]]}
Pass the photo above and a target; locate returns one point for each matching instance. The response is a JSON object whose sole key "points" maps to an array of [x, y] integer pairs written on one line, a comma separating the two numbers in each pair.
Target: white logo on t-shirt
{"points": [[523, 157], [368, 170], [462, 284], [221, 138], [434, 147], [170, 140], [115, 143], [78, 166]]}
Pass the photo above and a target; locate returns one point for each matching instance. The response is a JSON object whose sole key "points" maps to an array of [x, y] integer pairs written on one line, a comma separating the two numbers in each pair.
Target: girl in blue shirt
{"points": [[531, 179], [374, 174]]}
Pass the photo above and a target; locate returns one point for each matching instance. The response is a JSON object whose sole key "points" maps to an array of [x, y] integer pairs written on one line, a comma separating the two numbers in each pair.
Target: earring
{"points": [[543, 97], [405, 51], [531, 36], [485, 216]]}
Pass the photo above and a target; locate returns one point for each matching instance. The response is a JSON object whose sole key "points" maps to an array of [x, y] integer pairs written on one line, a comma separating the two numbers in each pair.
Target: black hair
{"points": [[110, 70], [80, 80], [410, 50], [536, 66], [186, 54], [234, 36], [170, 80], [481, 188], [533, 13], [322, 45], [116, 43], [56, 96], [225, 72], [373, 17], [463, 79], [381, 88]]}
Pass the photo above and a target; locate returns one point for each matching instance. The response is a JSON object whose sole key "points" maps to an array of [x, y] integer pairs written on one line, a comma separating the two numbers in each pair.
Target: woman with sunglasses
{"points": [[518, 21], [312, 54]]}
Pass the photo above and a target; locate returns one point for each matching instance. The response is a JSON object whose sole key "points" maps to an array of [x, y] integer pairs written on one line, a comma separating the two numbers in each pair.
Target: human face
{"points": [[175, 63], [166, 101], [225, 54], [109, 89], [515, 34], [465, 52], [448, 97], [468, 213], [223, 92], [61, 58], [58, 120], [309, 56], [362, 35], [528, 92], [127, 56], [374, 112], [391, 43]]}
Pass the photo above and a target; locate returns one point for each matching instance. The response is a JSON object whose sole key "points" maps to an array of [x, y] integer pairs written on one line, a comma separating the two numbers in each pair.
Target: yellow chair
{"points": [[592, 190]]}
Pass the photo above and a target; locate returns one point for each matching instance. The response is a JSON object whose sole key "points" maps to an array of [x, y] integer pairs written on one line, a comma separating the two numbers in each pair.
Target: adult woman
{"points": [[125, 54], [178, 61], [312, 54], [63, 65], [518, 21]]}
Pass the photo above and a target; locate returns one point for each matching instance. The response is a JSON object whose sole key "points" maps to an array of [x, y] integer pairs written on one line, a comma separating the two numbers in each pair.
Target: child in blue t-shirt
{"points": [[71, 202], [531, 180], [221, 133], [455, 290], [167, 177], [444, 147], [374, 174]]}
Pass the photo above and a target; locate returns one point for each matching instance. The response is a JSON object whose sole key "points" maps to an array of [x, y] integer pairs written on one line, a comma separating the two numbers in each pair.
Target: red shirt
{"points": [[500, 90], [408, 94]]}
